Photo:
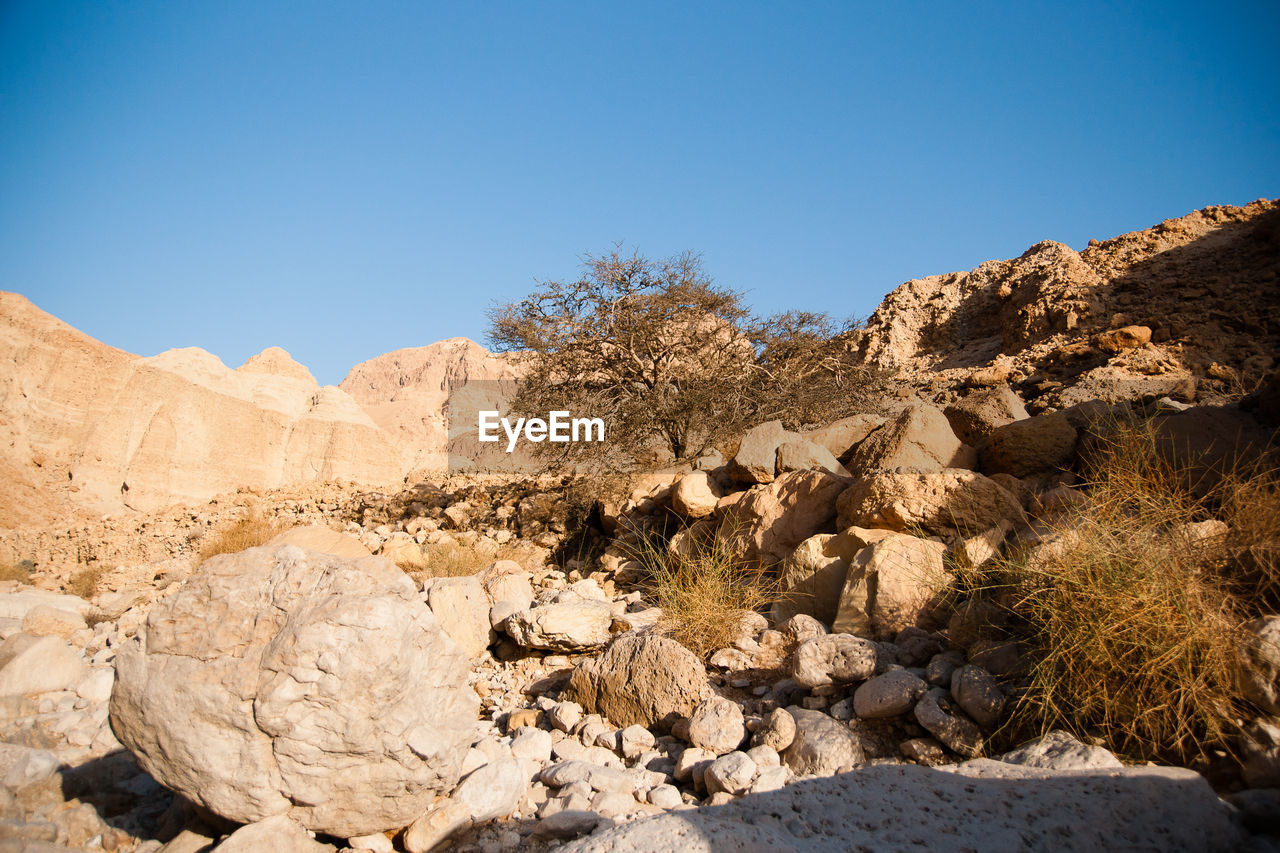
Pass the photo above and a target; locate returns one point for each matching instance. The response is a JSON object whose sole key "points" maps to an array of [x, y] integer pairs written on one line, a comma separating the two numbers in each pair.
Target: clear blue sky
{"points": [[344, 179]]}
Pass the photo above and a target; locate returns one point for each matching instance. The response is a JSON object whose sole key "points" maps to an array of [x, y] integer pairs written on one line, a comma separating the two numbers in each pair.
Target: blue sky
{"points": [[344, 179]]}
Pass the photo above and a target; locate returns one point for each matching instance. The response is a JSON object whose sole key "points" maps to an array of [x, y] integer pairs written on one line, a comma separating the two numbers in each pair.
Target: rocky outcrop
{"points": [[425, 399], [294, 683], [1151, 311]]}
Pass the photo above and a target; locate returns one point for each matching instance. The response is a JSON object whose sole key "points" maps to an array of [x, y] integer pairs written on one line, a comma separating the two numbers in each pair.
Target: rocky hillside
{"points": [[91, 426], [1202, 290], [85, 426]]}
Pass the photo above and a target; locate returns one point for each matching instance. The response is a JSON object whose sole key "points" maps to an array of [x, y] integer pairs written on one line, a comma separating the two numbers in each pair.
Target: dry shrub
{"points": [[248, 532], [453, 560], [20, 571], [702, 591], [85, 582], [1132, 622]]}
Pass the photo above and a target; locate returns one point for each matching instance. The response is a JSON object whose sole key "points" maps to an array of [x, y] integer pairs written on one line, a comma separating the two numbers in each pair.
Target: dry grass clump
{"points": [[248, 532], [20, 571], [454, 560], [702, 591], [1132, 614], [85, 582]]}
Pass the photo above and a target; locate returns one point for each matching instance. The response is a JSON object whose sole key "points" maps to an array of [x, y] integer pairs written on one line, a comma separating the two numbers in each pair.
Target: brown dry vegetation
{"points": [[703, 591], [451, 560], [20, 572], [85, 583], [247, 532], [1132, 616]]}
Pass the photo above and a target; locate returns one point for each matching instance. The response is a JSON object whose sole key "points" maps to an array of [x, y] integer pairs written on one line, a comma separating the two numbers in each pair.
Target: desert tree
{"points": [[673, 363]]}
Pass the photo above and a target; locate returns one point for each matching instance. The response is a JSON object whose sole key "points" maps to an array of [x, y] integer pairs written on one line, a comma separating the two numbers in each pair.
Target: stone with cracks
{"points": [[640, 679], [294, 683], [833, 658], [566, 626]]}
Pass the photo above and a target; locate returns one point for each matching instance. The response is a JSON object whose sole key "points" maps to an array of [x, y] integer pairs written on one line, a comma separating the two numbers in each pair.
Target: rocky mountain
{"points": [[85, 425], [415, 395], [1203, 290]]}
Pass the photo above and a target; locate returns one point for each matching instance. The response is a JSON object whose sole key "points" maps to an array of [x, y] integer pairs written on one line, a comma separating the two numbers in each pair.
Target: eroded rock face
{"points": [[920, 437], [287, 682], [769, 523], [949, 501]]}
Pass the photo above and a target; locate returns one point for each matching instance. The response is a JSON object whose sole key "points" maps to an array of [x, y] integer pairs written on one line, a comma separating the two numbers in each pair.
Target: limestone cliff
{"points": [[85, 425]]}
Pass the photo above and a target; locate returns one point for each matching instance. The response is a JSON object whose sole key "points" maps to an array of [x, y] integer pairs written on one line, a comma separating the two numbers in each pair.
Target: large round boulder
{"points": [[279, 681]]}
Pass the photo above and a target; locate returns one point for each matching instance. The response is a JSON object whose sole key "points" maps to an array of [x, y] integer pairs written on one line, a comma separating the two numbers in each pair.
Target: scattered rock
{"points": [[833, 658], [822, 747], [640, 679], [568, 626], [716, 725], [888, 695]]}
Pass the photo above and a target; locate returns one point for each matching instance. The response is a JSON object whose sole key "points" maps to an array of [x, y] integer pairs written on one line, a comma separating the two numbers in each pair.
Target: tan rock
{"points": [[293, 683], [1033, 446], [695, 495], [812, 578], [41, 665], [841, 437], [757, 456], [768, 524], [1117, 340], [45, 621], [276, 834], [920, 437], [976, 415], [888, 584], [640, 679], [947, 501], [807, 456], [462, 609], [567, 626]]}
